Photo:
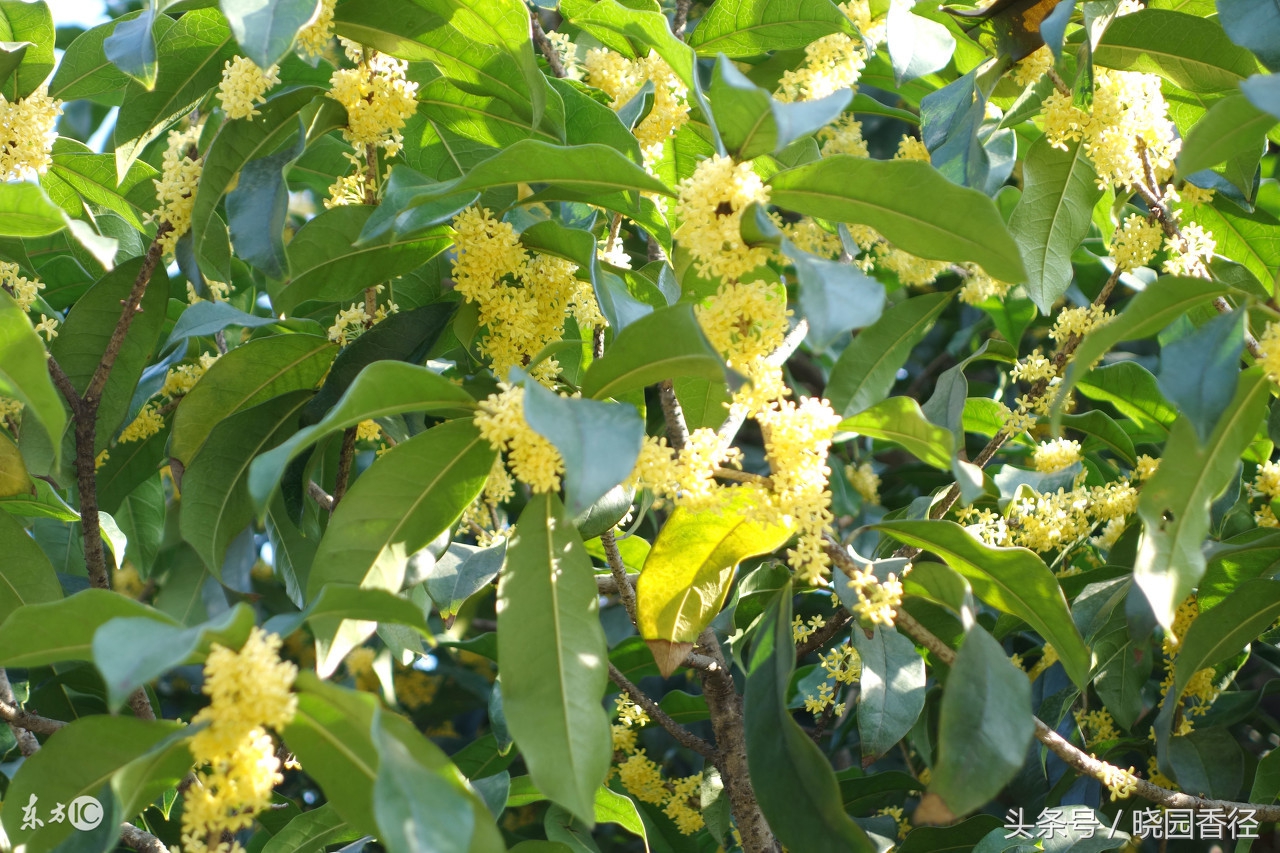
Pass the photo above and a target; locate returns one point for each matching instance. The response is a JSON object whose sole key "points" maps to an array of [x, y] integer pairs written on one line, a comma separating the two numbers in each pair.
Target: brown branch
{"points": [[15, 717], [321, 496], [63, 383], [619, 571], [673, 414], [346, 458], [1081, 761], [681, 19], [725, 707], [683, 736], [819, 638], [545, 46], [143, 842]]}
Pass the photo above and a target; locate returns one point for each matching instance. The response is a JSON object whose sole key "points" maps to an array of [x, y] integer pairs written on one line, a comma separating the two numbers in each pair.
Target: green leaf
{"points": [[461, 572], [1220, 633], [24, 372], [1014, 580], [1263, 91], [985, 725], [131, 47], [1199, 372], [382, 389], [752, 122], [15, 481], [311, 832], [1255, 25], [131, 652], [328, 266], [1252, 554], [248, 375], [552, 652], [238, 143], [85, 335], [1131, 388], [792, 779], [33, 23], [76, 762], [1174, 504], [407, 498], [417, 810], [892, 689], [1121, 669], [41, 502], [1052, 216], [1103, 430], [265, 31], [899, 420], [690, 567], [1233, 127], [867, 369], [91, 177], [705, 402], [41, 634], [1146, 314], [1190, 52], [216, 504], [834, 297], [258, 208], [1208, 761], [141, 518], [190, 56], [25, 211], [667, 344], [85, 71], [599, 442], [481, 47], [206, 318], [746, 28], [1251, 239], [910, 203], [26, 577], [917, 46]]}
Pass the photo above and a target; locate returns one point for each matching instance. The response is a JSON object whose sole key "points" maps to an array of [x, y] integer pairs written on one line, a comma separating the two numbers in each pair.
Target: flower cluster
{"points": [[1051, 456], [709, 208], [350, 323], [181, 379], [523, 298], [146, 424], [378, 100], [249, 692], [865, 481], [878, 601], [643, 779], [314, 38], [686, 478], [176, 186], [28, 134], [1136, 242], [831, 63], [532, 459], [244, 86], [25, 291], [621, 79], [841, 664]]}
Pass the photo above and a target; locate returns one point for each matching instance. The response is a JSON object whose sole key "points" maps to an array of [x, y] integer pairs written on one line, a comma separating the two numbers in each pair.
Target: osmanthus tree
{"points": [[461, 426]]}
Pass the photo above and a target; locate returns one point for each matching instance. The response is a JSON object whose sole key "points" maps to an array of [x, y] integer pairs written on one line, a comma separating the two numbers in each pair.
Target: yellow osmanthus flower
{"points": [[1031, 68], [1078, 321], [843, 136], [567, 52], [414, 688], [1192, 194], [359, 665], [1155, 777], [978, 287], [25, 291], [910, 148], [831, 63], [912, 271], [797, 438], [1017, 420], [1147, 466], [181, 379], [623, 738], [621, 78], [176, 186], [709, 209], [1048, 657], [533, 459], [686, 478], [899, 817], [126, 581], [1136, 242], [813, 238], [1034, 368], [48, 326], [878, 600], [801, 630], [642, 778], [378, 99], [865, 481], [101, 459], [1190, 251], [10, 408], [1121, 783], [684, 806], [1098, 726], [817, 703], [146, 424], [1129, 117], [350, 323], [368, 431], [314, 38], [244, 85], [28, 133], [629, 713], [249, 692], [1267, 480], [1051, 456], [745, 322], [523, 299]]}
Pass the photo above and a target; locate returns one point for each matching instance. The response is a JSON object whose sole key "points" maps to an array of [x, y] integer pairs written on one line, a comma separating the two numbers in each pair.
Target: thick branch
{"points": [[683, 736], [619, 571], [63, 383], [673, 414], [681, 18], [143, 842], [18, 721], [545, 46], [725, 707], [346, 458]]}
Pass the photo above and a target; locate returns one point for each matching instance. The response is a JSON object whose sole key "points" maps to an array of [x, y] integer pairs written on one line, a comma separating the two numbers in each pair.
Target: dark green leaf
{"points": [[311, 832], [205, 318], [752, 122], [1209, 762], [1233, 127], [131, 47], [418, 810], [85, 71], [41, 634], [461, 572], [28, 22], [26, 577], [892, 689], [1199, 372], [1190, 52], [1254, 24], [899, 420], [25, 211], [834, 297], [667, 344], [258, 208], [92, 177], [24, 373]]}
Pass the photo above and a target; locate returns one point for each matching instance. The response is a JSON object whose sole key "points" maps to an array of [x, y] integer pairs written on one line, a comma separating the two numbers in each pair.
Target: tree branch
{"points": [[63, 383], [545, 46], [137, 839], [673, 414], [619, 571], [683, 736], [321, 496], [346, 458], [20, 722]]}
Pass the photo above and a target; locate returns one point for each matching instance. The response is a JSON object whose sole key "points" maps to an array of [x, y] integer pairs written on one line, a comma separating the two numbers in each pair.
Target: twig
{"points": [[683, 736], [619, 571], [743, 477], [346, 457], [545, 46], [681, 19], [819, 638], [1081, 761], [321, 496], [63, 383], [143, 842]]}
